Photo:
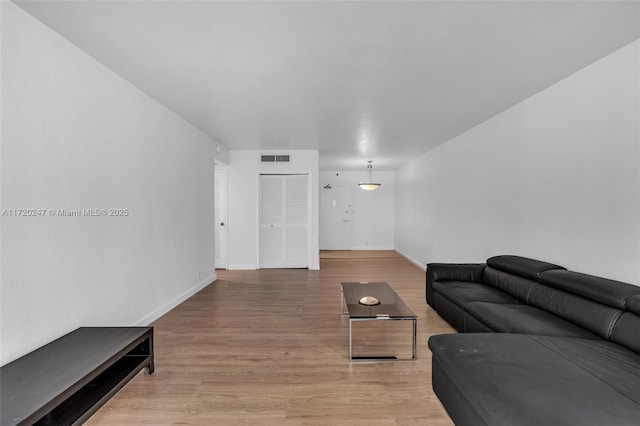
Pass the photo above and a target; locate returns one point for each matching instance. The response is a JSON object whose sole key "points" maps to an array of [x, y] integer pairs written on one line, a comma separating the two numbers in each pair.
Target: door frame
{"points": [[309, 209]]}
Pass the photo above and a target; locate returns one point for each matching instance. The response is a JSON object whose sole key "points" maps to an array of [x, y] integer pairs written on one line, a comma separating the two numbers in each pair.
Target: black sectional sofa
{"points": [[539, 345]]}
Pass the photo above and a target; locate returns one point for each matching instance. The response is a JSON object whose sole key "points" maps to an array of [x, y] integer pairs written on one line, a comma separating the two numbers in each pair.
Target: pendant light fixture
{"points": [[369, 184]]}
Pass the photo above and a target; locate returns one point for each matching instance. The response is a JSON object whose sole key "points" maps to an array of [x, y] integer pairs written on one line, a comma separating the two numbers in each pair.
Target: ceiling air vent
{"points": [[274, 158]]}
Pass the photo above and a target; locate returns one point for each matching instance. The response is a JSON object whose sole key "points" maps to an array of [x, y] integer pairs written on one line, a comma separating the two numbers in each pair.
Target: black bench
{"points": [[67, 380]]}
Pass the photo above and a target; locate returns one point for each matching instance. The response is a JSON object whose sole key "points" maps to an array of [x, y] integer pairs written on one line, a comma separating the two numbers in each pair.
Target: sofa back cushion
{"points": [[633, 304], [595, 317], [594, 303], [512, 284], [626, 332], [602, 290], [522, 266]]}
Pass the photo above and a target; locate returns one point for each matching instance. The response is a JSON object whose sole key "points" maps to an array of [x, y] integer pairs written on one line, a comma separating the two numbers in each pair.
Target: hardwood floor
{"points": [[270, 347]]}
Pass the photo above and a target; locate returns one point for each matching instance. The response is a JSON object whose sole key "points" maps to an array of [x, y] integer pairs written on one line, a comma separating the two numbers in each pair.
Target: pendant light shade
{"points": [[369, 184]]}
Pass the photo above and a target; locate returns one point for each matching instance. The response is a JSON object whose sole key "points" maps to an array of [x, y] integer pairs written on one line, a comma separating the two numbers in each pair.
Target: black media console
{"points": [[67, 380]]}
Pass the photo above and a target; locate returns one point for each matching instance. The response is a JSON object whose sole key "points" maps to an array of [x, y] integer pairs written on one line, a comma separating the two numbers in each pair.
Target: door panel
{"points": [[220, 214], [296, 201], [271, 222], [272, 247], [271, 196], [335, 218], [296, 246]]}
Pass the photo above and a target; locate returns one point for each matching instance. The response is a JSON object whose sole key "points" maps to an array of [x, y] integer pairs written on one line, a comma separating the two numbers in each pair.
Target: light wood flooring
{"points": [[270, 347]]}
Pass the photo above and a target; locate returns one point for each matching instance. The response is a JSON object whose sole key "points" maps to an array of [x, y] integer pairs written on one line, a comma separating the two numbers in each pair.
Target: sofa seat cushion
{"points": [[463, 292], [614, 364], [514, 379], [524, 319]]}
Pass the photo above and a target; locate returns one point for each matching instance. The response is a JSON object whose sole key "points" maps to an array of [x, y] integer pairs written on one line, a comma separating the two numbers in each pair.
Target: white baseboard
{"points": [[420, 265], [176, 301]]}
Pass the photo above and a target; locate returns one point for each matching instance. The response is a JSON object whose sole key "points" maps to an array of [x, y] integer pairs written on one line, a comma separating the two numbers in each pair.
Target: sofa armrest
{"points": [[452, 271]]}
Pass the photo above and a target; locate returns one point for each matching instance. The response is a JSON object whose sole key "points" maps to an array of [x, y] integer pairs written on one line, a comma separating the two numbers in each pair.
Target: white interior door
{"points": [[271, 221], [296, 221], [336, 216], [284, 221], [220, 188]]}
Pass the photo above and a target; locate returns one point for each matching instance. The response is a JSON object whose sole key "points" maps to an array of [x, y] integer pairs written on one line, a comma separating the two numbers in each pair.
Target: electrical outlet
{"points": [[198, 275]]}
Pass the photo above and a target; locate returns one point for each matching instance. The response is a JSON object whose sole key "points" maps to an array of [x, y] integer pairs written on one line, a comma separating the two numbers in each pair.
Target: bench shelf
{"points": [[69, 379]]}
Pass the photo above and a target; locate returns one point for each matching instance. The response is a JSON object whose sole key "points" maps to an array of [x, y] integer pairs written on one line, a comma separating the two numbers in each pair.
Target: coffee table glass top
{"points": [[390, 303]]}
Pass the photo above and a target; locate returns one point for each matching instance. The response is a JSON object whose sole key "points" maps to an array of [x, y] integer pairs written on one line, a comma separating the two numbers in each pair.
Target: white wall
{"points": [[373, 211], [77, 136], [242, 220], [555, 177]]}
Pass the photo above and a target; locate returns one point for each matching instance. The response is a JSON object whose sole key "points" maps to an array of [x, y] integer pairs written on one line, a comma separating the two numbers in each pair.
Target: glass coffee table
{"points": [[374, 301]]}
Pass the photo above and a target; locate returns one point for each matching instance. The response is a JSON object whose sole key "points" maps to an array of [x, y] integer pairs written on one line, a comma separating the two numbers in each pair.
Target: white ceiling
{"points": [[377, 80]]}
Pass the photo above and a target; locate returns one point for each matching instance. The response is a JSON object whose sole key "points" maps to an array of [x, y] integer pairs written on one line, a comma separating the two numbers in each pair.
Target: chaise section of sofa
{"points": [[539, 344], [513, 379]]}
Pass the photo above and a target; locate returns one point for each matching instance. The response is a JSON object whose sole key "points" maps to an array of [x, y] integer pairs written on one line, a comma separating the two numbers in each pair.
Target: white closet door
{"points": [[296, 222], [284, 213], [271, 221]]}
